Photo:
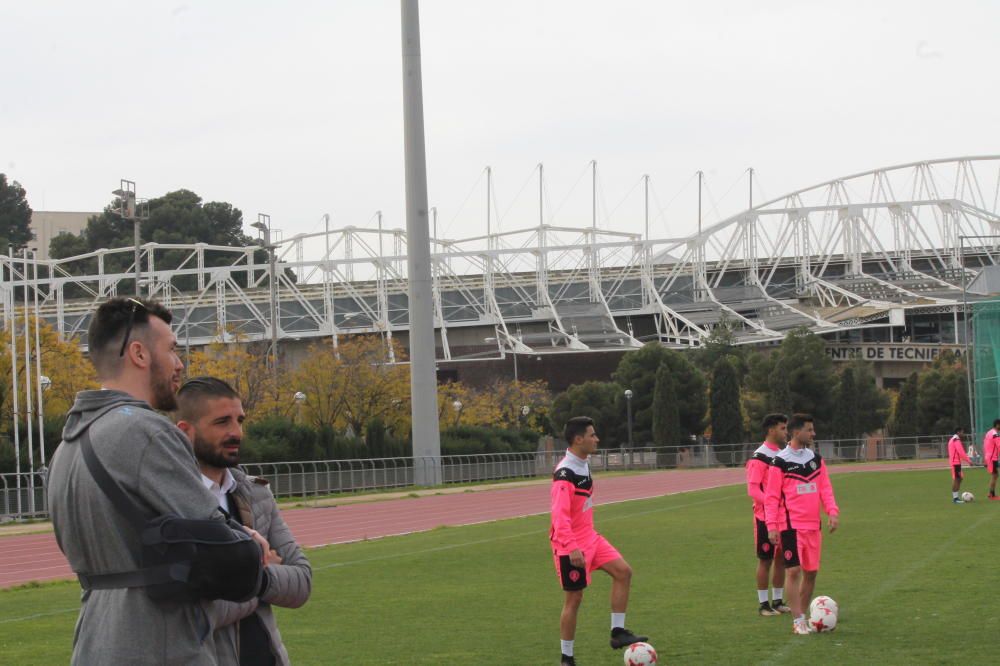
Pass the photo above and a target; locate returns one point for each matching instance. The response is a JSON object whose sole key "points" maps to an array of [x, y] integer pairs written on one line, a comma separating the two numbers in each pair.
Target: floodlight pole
{"points": [[263, 224], [423, 376], [965, 325]]}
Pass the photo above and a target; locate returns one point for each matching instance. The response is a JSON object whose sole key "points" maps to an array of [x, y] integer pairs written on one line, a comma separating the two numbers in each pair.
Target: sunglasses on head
{"points": [[131, 320]]}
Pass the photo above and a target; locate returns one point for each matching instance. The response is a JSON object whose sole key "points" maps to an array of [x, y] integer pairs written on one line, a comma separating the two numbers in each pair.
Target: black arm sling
{"points": [[182, 559]]}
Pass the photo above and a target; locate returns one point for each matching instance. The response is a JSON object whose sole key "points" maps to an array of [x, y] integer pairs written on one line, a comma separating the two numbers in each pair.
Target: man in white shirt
{"points": [[211, 414]]}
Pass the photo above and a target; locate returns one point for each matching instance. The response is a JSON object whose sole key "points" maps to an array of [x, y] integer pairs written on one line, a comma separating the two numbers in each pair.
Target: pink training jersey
{"points": [[990, 449], [956, 451], [572, 505], [757, 475], [797, 484]]}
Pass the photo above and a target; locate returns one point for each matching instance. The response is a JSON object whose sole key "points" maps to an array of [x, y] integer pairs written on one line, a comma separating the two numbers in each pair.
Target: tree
{"points": [[15, 215], [598, 400], [721, 342], [176, 217], [961, 414], [637, 371], [906, 415], [666, 412], [801, 377], [246, 368], [63, 363], [873, 402], [727, 417], [846, 406], [756, 389], [936, 401]]}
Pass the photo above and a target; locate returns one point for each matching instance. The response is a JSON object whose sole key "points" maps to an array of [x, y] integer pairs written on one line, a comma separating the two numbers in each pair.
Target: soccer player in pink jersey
{"points": [[577, 548], [776, 434], [956, 455], [991, 455], [797, 486]]}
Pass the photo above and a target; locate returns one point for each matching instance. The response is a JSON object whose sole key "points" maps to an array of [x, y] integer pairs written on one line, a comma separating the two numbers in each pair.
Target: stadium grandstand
{"points": [[892, 255]]}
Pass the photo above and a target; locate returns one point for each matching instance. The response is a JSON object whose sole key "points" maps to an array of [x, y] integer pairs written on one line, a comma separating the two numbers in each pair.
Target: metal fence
{"points": [[22, 496]]}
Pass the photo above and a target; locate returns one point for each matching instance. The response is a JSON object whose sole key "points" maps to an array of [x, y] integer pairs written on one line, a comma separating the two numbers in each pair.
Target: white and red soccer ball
{"points": [[823, 612], [640, 654], [968, 497]]}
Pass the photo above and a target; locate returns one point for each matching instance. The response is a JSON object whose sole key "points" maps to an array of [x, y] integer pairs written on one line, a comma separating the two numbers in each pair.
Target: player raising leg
{"points": [[577, 548]]}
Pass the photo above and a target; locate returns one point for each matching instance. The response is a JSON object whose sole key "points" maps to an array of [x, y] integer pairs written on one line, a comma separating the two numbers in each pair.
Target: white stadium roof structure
{"points": [[857, 251]]}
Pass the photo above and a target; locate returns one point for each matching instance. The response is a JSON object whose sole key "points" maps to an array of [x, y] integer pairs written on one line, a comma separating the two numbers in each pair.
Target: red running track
{"points": [[36, 557]]}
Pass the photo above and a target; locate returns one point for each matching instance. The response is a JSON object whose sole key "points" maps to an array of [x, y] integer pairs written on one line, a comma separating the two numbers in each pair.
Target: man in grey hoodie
{"points": [[210, 413], [134, 351]]}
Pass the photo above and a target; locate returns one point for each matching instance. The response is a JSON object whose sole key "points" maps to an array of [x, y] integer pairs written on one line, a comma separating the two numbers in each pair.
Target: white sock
{"points": [[617, 620], [801, 619], [954, 495], [566, 647], [761, 596], [779, 593]]}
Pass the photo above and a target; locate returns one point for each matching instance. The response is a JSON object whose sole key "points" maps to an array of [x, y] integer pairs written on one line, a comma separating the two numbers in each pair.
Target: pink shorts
{"points": [[809, 544], [596, 554]]}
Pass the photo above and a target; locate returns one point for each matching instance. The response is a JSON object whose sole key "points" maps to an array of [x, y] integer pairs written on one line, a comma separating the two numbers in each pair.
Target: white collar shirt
{"points": [[220, 492]]}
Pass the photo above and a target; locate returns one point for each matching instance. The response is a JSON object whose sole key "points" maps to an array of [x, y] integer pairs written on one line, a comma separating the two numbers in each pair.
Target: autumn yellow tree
{"points": [[503, 404], [355, 385], [246, 369], [61, 361]]}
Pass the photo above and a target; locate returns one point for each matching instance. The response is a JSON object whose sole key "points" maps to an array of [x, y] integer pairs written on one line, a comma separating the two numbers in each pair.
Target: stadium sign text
{"points": [[915, 353]]}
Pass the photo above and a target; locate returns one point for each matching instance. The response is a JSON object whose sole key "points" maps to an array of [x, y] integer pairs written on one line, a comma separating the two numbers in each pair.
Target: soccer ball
{"points": [[640, 654], [823, 613], [823, 601], [968, 497]]}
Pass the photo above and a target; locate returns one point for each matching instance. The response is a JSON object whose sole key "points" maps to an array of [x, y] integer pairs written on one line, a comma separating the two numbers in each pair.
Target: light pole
{"points": [[628, 408], [300, 399], [127, 210], [263, 224]]}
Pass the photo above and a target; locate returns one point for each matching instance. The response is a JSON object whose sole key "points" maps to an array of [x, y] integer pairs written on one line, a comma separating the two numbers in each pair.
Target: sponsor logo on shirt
{"points": [[589, 504], [805, 488]]}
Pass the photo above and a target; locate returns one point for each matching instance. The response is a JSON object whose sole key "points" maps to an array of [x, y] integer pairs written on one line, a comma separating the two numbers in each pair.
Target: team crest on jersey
{"points": [[812, 464]]}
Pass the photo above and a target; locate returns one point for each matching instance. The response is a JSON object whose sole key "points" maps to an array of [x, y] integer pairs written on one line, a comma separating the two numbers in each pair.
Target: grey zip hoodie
{"points": [[152, 461]]}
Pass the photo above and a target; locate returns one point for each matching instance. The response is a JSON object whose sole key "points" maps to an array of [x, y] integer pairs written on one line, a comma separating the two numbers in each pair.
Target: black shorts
{"points": [[991, 466], [763, 547], [790, 548], [573, 578], [956, 472]]}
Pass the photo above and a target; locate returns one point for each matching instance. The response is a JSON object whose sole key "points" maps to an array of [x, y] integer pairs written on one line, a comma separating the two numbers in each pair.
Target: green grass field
{"points": [[913, 575]]}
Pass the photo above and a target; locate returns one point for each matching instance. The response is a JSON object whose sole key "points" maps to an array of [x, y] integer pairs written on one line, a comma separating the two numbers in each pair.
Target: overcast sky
{"points": [[295, 108]]}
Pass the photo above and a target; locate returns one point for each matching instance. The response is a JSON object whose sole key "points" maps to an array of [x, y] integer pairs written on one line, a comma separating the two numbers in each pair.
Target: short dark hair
{"points": [[576, 427], [959, 429], [996, 423], [772, 420], [106, 332], [194, 392], [798, 421]]}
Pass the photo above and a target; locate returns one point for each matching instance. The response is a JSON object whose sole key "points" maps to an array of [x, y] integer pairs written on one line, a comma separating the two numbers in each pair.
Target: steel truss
{"points": [[837, 255]]}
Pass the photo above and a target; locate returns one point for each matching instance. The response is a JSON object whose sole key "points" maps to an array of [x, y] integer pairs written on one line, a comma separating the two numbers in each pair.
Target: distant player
{"points": [[956, 455], [991, 455], [776, 434], [576, 547], [797, 485]]}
